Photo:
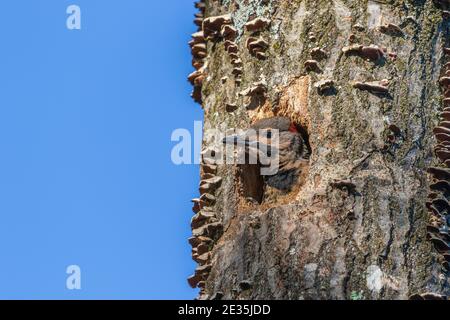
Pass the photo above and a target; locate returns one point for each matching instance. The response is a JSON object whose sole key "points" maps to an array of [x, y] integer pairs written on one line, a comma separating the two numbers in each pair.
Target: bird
{"points": [[293, 152]]}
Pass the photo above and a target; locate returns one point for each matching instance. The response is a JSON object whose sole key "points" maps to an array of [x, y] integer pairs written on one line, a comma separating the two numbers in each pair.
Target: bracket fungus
{"points": [[427, 296], [198, 22], [217, 296], [256, 46], [439, 244], [442, 186], [379, 87], [193, 281], [441, 205], [198, 37], [445, 82], [212, 26], [391, 29], [196, 241], [209, 168], [207, 200], [353, 49], [231, 107], [200, 5], [441, 130], [202, 218], [395, 130], [442, 137], [344, 185], [439, 173], [202, 259], [443, 154], [257, 24], [199, 53], [359, 27], [210, 185], [236, 62], [236, 71], [324, 86], [256, 95], [199, 50], [231, 47], [245, 285], [318, 53], [312, 66], [228, 32], [372, 52], [446, 103]]}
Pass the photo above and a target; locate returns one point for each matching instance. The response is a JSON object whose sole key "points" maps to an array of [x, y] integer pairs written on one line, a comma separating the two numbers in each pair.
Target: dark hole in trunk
{"points": [[252, 182]]}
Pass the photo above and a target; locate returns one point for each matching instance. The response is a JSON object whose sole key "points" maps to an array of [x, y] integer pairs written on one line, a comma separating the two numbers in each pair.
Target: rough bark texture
{"points": [[355, 226]]}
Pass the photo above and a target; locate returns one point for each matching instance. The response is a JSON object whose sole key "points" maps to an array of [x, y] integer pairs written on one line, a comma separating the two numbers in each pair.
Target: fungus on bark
{"points": [[427, 296], [372, 52], [231, 47], [196, 241], [441, 185], [318, 53], [255, 95], [344, 185], [391, 29], [228, 32], [245, 285], [324, 86], [256, 45], [213, 25], [380, 87], [257, 24], [202, 218], [312, 66], [231, 107], [439, 173]]}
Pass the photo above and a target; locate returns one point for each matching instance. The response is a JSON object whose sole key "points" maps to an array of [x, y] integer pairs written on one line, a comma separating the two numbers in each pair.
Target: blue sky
{"points": [[86, 178]]}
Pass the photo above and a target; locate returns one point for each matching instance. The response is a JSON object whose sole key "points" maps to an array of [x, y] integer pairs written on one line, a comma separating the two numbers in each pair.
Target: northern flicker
{"points": [[292, 149]]}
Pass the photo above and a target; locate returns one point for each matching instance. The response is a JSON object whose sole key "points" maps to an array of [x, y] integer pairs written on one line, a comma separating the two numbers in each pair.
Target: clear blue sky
{"points": [[85, 172]]}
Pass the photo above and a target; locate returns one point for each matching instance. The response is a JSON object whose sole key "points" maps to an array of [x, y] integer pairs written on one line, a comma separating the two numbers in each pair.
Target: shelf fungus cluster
{"points": [[206, 226], [220, 28], [233, 52], [256, 44], [438, 229], [199, 53], [212, 26], [312, 65], [438, 202]]}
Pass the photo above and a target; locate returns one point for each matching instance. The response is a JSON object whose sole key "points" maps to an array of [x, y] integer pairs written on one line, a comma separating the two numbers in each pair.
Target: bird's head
{"points": [[261, 133], [279, 146]]}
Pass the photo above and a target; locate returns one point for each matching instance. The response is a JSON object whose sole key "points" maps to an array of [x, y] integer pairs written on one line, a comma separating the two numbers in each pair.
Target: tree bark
{"points": [[361, 77]]}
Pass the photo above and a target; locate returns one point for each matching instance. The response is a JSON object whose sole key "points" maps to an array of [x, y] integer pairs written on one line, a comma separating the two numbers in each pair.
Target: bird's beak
{"points": [[244, 142], [236, 140]]}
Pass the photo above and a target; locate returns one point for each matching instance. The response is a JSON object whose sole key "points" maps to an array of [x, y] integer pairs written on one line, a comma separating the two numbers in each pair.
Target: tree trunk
{"points": [[362, 79]]}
